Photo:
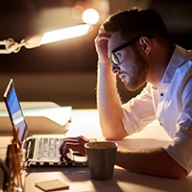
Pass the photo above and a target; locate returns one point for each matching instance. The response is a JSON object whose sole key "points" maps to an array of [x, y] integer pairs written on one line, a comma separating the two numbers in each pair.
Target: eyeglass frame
{"points": [[128, 43]]}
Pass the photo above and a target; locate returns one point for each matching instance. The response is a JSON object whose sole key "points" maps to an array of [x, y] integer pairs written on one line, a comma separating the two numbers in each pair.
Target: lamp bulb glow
{"points": [[90, 16], [66, 33]]}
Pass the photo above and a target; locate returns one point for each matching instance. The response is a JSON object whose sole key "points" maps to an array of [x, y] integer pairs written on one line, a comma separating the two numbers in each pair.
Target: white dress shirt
{"points": [[171, 103]]}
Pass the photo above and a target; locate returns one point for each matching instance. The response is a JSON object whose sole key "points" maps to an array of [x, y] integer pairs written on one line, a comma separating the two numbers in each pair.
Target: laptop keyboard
{"points": [[49, 149], [48, 154]]}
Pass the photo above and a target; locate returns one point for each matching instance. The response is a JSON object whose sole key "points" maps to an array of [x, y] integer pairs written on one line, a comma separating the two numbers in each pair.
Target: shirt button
{"points": [[162, 94]]}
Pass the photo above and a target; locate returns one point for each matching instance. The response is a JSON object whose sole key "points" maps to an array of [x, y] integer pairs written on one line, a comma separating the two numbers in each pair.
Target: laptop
{"points": [[40, 150]]}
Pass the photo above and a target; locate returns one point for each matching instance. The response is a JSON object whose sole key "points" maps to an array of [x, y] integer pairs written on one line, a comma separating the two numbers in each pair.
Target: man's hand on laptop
{"points": [[74, 143]]}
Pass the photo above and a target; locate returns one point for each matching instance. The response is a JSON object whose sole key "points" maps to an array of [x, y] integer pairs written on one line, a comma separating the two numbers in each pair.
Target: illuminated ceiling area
{"points": [[20, 19]]}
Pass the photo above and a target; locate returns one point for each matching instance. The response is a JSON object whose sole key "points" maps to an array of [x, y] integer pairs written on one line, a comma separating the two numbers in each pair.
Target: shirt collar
{"points": [[176, 60]]}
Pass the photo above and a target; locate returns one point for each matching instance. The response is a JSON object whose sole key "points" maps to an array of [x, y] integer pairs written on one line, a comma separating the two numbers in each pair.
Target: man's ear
{"points": [[145, 44]]}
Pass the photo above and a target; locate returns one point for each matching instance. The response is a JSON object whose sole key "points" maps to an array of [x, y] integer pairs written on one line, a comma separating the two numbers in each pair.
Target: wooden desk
{"points": [[86, 122]]}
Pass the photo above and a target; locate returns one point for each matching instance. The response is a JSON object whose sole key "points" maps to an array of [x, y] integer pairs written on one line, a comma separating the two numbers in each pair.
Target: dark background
{"points": [[65, 71]]}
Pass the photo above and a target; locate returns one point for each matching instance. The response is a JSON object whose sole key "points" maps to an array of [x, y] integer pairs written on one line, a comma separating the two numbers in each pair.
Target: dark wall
{"points": [[177, 16]]}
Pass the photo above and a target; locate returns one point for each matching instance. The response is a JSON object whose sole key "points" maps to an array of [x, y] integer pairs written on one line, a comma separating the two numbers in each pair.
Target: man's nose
{"points": [[115, 68]]}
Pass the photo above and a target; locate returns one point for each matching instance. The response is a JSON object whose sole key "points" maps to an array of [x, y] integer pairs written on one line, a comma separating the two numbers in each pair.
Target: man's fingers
{"points": [[74, 143], [64, 149], [102, 37]]}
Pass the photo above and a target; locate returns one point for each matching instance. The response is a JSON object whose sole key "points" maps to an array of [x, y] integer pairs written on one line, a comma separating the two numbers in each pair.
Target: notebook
{"points": [[40, 150]]}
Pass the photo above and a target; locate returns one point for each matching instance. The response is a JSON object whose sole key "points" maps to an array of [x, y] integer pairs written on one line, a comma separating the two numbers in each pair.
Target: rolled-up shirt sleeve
{"points": [[139, 111], [180, 149]]}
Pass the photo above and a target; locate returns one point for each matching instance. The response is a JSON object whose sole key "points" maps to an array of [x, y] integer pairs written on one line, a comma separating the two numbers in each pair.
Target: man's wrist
{"points": [[104, 62]]}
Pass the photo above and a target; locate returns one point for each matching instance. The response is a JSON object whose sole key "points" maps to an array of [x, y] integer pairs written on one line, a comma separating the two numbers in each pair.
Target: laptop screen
{"points": [[15, 111]]}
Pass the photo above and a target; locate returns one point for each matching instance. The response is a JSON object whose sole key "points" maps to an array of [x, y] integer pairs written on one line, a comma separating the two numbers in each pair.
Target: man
{"points": [[136, 46]]}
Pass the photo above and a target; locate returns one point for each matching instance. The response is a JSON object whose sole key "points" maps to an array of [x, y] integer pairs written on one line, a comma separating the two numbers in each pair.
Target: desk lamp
{"points": [[48, 37]]}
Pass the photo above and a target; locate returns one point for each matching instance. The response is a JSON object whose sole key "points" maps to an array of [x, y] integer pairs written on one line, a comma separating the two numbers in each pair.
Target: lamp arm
{"points": [[32, 41], [10, 46], [36, 40]]}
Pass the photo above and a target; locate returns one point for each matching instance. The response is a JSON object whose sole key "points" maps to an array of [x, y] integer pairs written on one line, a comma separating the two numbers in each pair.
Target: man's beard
{"points": [[138, 72]]}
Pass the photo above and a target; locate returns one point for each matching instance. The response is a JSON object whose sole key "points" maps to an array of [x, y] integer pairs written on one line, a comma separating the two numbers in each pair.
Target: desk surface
{"points": [[86, 122]]}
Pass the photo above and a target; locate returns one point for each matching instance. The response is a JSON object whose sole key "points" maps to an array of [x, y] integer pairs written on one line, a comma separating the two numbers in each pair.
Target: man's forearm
{"points": [[150, 161], [109, 104]]}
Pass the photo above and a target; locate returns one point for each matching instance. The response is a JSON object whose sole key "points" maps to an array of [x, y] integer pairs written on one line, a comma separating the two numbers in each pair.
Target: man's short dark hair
{"points": [[134, 22]]}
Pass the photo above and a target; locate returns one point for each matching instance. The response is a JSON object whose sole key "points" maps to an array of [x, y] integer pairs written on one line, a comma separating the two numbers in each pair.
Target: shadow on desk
{"points": [[146, 183], [123, 181]]}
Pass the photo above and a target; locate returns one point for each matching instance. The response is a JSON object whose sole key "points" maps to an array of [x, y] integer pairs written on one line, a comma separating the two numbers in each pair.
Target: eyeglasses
{"points": [[114, 59]]}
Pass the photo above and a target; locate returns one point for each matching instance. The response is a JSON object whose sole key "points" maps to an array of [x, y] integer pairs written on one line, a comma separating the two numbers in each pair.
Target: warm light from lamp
{"points": [[36, 40], [90, 16], [65, 33]]}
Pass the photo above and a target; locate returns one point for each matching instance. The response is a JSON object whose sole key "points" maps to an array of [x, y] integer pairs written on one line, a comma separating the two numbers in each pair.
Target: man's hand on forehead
{"points": [[103, 33]]}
